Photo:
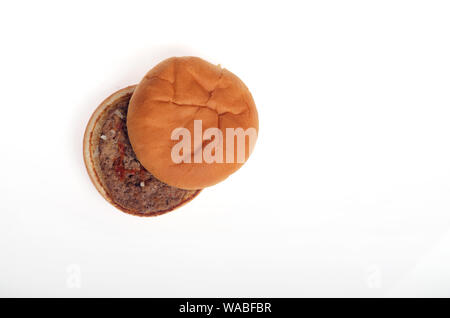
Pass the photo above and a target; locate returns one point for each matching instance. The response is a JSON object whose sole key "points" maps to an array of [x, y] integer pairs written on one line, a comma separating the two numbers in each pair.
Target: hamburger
{"points": [[152, 147]]}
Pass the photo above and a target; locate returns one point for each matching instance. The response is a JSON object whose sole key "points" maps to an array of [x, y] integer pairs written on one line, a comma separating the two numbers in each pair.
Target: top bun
{"points": [[174, 94]]}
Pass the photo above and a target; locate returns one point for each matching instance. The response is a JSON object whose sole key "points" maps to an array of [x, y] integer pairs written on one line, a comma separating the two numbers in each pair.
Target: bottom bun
{"points": [[114, 168]]}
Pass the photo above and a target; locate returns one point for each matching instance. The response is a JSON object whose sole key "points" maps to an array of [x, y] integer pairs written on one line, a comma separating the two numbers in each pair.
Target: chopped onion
{"points": [[118, 113]]}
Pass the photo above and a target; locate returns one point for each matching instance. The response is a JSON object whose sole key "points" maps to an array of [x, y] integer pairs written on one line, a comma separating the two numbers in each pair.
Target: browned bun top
{"points": [[172, 95]]}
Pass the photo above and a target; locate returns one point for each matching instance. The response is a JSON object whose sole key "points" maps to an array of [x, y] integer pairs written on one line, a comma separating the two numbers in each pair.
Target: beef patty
{"points": [[126, 180]]}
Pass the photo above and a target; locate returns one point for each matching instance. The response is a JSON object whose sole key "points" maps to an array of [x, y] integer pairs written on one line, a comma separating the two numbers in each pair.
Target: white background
{"points": [[346, 194]]}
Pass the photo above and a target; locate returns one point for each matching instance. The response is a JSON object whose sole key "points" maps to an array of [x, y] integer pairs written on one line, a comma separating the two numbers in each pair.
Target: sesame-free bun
{"points": [[91, 155], [172, 95]]}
